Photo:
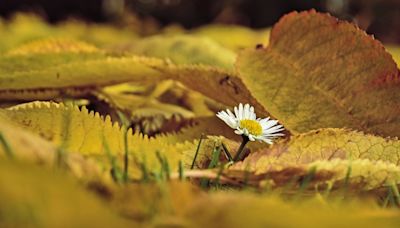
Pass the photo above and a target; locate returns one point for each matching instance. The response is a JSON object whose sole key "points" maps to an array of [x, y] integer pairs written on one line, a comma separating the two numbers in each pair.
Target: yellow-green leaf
{"points": [[33, 196], [234, 37], [22, 28], [54, 66], [185, 49]]}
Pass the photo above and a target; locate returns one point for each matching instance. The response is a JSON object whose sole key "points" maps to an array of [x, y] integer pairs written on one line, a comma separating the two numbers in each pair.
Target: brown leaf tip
{"points": [[284, 27]]}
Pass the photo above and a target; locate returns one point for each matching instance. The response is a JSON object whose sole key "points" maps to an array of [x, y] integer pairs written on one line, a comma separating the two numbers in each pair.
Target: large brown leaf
{"points": [[320, 72]]}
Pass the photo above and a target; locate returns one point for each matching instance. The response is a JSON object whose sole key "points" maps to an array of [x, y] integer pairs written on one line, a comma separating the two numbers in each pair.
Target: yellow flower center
{"points": [[252, 126]]}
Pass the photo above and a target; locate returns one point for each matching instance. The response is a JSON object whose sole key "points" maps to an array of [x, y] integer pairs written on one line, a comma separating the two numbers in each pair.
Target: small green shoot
{"points": [[181, 171], [7, 148], [60, 157], [145, 172], [306, 181], [116, 173], [213, 163], [61, 150], [389, 198], [347, 181], [164, 165], [396, 194], [125, 124]]}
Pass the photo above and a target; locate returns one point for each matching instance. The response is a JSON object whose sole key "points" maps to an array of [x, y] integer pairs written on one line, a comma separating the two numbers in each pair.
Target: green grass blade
{"points": [[116, 173], [389, 198], [125, 125], [181, 171], [306, 182], [197, 152], [165, 169], [145, 170], [213, 163], [396, 193], [7, 148]]}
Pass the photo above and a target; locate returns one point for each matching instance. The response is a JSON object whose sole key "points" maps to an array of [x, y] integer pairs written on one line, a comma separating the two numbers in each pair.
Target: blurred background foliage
{"points": [[378, 17]]}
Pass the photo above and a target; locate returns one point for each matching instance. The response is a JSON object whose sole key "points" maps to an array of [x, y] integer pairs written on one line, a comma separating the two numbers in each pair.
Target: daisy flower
{"points": [[245, 123]]}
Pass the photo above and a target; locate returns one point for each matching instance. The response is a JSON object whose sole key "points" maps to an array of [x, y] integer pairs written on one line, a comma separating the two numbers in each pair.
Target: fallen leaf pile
{"points": [[115, 126]]}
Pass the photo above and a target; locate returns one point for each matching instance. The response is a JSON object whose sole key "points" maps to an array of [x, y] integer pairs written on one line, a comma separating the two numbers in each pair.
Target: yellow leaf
{"points": [[17, 143], [326, 144], [78, 131], [371, 161]]}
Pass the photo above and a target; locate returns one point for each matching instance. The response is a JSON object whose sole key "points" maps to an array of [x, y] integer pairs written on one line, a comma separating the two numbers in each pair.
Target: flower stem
{"points": [[239, 152]]}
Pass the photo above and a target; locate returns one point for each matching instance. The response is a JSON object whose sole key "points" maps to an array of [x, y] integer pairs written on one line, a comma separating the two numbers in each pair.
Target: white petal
{"points": [[231, 114], [274, 129], [235, 121], [266, 140], [263, 121], [267, 123], [236, 110], [246, 111], [245, 131], [240, 117], [227, 119], [238, 132], [251, 137], [252, 114]]}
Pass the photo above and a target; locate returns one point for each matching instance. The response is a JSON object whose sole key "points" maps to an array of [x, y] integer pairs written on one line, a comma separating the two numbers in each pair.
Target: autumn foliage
{"points": [[123, 124]]}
